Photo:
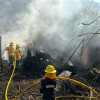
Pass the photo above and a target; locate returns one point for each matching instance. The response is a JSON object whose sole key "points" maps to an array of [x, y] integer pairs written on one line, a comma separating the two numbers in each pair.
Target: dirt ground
{"points": [[20, 83]]}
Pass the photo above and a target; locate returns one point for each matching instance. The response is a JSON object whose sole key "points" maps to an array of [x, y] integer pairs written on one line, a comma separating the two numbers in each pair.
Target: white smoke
{"points": [[50, 24]]}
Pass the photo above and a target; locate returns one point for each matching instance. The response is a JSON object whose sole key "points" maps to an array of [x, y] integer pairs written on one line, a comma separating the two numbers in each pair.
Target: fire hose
{"points": [[10, 79], [70, 96]]}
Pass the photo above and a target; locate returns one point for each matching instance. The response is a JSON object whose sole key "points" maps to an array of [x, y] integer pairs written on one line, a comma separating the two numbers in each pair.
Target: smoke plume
{"points": [[49, 24]]}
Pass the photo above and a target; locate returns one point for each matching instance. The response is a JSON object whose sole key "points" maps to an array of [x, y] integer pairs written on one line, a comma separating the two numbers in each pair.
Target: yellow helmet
{"points": [[18, 46], [50, 69], [11, 43]]}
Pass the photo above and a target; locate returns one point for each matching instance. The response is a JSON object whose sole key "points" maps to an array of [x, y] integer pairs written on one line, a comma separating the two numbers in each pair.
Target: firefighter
{"points": [[11, 51], [48, 83], [18, 53]]}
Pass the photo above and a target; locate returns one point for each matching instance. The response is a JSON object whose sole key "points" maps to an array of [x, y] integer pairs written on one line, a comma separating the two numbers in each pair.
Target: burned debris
{"points": [[33, 66]]}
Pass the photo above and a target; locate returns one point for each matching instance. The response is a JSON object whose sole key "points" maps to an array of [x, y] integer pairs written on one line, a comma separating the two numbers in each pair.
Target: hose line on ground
{"points": [[6, 98], [72, 80], [74, 96], [70, 96], [26, 90]]}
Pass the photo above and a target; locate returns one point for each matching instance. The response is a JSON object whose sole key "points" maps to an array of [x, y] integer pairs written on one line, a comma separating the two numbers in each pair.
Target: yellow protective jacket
{"points": [[11, 50], [18, 53]]}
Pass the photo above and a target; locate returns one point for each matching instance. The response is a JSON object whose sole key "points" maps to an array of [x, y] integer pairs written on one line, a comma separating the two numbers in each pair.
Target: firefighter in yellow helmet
{"points": [[11, 51], [48, 83], [18, 53]]}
